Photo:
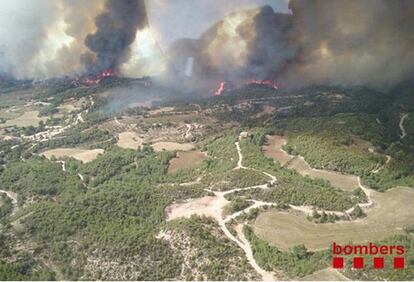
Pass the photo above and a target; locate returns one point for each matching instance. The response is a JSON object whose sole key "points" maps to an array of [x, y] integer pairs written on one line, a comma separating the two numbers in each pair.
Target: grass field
{"points": [[27, 119], [79, 154], [185, 160], [172, 146], [392, 211], [129, 140]]}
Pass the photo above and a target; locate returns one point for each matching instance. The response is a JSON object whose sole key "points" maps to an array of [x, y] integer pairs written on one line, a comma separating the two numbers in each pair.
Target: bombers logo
{"points": [[357, 251]]}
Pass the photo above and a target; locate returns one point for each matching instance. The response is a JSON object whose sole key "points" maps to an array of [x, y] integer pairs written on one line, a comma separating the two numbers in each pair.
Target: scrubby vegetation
{"points": [[292, 188], [118, 218], [6, 206], [339, 143], [105, 220], [93, 138], [210, 255]]}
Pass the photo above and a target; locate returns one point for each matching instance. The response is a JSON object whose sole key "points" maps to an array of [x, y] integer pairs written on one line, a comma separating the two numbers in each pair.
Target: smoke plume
{"points": [[335, 42], [116, 31], [355, 42], [244, 46]]}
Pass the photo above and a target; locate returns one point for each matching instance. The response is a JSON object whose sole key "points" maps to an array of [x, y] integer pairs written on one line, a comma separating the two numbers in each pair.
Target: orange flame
{"points": [[220, 89]]}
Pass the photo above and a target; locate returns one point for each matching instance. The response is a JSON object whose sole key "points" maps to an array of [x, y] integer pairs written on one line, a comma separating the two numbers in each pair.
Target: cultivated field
{"points": [[27, 119], [129, 140], [185, 160], [172, 146], [390, 213], [79, 154]]}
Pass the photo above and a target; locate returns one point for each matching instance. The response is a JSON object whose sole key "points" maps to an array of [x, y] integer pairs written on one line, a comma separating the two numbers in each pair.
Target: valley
{"points": [[168, 175], [260, 140]]}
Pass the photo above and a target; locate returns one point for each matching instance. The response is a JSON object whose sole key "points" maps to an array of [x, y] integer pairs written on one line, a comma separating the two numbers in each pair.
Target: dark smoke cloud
{"points": [[116, 31], [335, 42], [244, 46]]}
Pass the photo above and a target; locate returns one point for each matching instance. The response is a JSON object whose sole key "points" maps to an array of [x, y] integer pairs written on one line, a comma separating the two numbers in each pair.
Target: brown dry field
{"points": [[129, 140], [82, 155], [29, 118], [273, 149], [172, 146], [327, 274], [390, 213], [185, 160]]}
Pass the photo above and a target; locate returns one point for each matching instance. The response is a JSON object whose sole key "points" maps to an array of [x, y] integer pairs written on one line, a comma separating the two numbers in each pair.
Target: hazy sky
{"points": [[189, 18]]}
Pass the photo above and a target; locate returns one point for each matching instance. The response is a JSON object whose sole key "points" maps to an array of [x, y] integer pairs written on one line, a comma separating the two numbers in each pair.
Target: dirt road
{"points": [[214, 206], [403, 131]]}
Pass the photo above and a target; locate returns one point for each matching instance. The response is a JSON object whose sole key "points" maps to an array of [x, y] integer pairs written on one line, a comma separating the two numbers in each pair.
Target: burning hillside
{"points": [[356, 43], [308, 46]]}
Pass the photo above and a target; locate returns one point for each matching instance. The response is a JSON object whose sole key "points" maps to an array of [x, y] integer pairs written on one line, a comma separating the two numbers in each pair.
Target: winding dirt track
{"points": [[214, 206], [403, 131]]}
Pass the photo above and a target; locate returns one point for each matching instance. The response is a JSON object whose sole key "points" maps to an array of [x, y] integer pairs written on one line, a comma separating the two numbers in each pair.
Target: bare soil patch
{"points": [[185, 160], [82, 155], [273, 149], [129, 140], [205, 206], [390, 213], [172, 146]]}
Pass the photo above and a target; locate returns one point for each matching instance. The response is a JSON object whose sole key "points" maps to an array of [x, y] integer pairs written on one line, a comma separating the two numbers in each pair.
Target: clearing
{"points": [[82, 155], [185, 160], [172, 146], [387, 217], [205, 206], [129, 140], [27, 119], [273, 149]]}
